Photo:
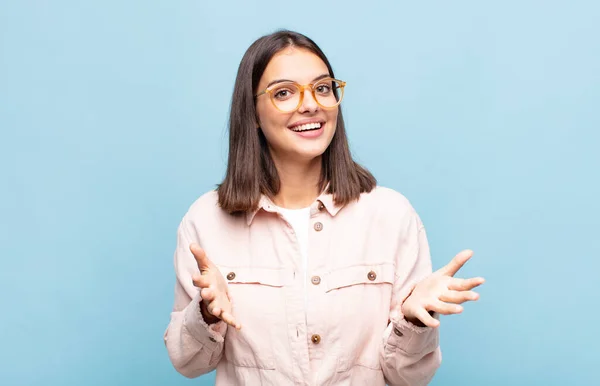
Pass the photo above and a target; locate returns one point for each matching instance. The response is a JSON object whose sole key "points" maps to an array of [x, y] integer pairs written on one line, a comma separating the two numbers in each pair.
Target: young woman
{"points": [[298, 269]]}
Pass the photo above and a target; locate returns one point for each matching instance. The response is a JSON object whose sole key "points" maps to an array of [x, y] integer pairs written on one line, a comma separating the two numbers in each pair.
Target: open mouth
{"points": [[307, 127]]}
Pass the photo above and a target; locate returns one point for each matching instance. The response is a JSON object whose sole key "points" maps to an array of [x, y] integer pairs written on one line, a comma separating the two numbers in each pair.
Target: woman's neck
{"points": [[299, 183]]}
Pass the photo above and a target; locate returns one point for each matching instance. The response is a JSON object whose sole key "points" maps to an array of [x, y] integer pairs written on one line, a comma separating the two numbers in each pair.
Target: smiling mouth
{"points": [[307, 127]]}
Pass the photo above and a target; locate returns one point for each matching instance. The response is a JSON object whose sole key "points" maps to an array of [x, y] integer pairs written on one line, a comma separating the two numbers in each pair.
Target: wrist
{"points": [[414, 321], [207, 316]]}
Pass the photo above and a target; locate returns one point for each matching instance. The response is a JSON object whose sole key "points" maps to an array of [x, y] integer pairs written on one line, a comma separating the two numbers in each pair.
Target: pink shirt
{"points": [[363, 261]]}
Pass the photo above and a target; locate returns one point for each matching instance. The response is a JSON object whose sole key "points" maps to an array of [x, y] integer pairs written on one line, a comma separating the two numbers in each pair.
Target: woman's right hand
{"points": [[213, 289]]}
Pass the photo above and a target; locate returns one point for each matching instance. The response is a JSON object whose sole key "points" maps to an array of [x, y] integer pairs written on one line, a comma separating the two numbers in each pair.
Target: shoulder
{"points": [[389, 206], [386, 199], [205, 216], [205, 205], [206, 210]]}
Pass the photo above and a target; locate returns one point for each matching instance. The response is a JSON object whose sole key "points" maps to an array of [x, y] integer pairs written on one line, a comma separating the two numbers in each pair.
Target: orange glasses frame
{"points": [[302, 88]]}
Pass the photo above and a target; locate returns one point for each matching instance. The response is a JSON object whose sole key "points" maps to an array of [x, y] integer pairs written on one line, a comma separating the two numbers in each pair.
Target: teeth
{"points": [[308, 126]]}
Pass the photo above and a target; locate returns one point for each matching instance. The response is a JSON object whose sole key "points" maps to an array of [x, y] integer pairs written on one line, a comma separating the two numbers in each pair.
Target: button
{"points": [[398, 332], [321, 206], [315, 280], [372, 275], [315, 338], [212, 339], [231, 276], [318, 226]]}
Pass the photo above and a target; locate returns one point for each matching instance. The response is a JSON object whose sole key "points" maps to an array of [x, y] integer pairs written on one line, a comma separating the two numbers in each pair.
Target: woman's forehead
{"points": [[299, 65]]}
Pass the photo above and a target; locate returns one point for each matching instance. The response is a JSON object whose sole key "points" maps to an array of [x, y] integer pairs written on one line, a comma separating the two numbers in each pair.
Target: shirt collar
{"points": [[324, 201]]}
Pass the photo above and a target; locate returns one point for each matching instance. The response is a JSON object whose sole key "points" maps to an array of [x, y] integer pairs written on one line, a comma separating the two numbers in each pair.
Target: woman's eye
{"points": [[282, 94], [323, 89]]}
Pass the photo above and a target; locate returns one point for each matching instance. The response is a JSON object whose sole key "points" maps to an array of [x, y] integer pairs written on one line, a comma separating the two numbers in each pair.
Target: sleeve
{"points": [[194, 347], [410, 355]]}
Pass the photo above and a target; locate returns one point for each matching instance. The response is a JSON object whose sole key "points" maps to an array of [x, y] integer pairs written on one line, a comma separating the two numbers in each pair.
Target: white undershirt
{"points": [[299, 219]]}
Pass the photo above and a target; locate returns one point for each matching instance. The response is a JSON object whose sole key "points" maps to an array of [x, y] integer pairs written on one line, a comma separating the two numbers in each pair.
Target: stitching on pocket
{"points": [[358, 274], [250, 275]]}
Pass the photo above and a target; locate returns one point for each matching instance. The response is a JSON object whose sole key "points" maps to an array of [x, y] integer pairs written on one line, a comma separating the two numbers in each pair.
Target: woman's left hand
{"points": [[441, 292]]}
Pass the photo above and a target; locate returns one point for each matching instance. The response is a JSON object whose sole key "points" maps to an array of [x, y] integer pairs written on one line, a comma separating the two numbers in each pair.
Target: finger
{"points": [[201, 260], [458, 297], [212, 309], [426, 318], [216, 311], [201, 281], [444, 308], [229, 319], [456, 263], [465, 284], [207, 294]]}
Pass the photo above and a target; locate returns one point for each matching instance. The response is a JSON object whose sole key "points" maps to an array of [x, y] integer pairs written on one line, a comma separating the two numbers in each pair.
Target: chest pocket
{"points": [[257, 297], [361, 296], [360, 274]]}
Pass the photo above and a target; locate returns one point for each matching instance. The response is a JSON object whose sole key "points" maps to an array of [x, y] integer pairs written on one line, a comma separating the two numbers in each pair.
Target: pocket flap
{"points": [[277, 277], [360, 274]]}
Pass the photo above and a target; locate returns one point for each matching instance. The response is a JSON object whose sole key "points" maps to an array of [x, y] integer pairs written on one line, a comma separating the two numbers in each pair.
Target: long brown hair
{"points": [[250, 168]]}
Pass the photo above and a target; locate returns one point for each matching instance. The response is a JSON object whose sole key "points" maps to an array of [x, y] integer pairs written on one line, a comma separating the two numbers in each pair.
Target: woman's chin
{"points": [[305, 154]]}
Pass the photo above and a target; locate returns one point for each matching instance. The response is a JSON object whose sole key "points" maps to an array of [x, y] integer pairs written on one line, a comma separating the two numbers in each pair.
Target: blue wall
{"points": [[113, 118]]}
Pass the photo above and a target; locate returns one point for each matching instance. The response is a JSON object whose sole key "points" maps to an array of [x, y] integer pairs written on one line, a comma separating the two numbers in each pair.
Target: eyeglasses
{"points": [[288, 96]]}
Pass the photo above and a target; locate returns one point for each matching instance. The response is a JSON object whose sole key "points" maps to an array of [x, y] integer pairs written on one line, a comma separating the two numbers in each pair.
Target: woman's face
{"points": [[303, 134]]}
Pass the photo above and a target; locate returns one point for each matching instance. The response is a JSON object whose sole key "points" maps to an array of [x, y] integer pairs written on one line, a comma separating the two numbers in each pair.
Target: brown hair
{"points": [[250, 168]]}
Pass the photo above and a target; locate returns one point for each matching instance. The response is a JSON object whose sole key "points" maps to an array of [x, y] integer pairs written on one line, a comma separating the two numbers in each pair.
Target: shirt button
{"points": [[315, 338], [318, 226], [398, 332], [315, 280], [231, 276], [372, 275]]}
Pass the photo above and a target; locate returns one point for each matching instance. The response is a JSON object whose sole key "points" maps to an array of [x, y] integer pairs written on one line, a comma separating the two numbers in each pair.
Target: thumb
{"points": [[201, 259], [456, 263]]}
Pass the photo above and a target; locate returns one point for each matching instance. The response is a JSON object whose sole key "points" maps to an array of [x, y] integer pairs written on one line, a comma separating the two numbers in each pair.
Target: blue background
{"points": [[113, 121]]}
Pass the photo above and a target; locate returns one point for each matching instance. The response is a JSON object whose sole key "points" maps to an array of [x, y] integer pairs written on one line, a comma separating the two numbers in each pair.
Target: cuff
{"points": [[210, 335], [411, 339]]}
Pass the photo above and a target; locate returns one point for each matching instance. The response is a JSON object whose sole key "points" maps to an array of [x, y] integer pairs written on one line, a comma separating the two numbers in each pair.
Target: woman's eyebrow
{"points": [[322, 76]]}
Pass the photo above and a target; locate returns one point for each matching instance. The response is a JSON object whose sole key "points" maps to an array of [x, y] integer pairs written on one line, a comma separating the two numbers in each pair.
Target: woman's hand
{"points": [[213, 290], [441, 292]]}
